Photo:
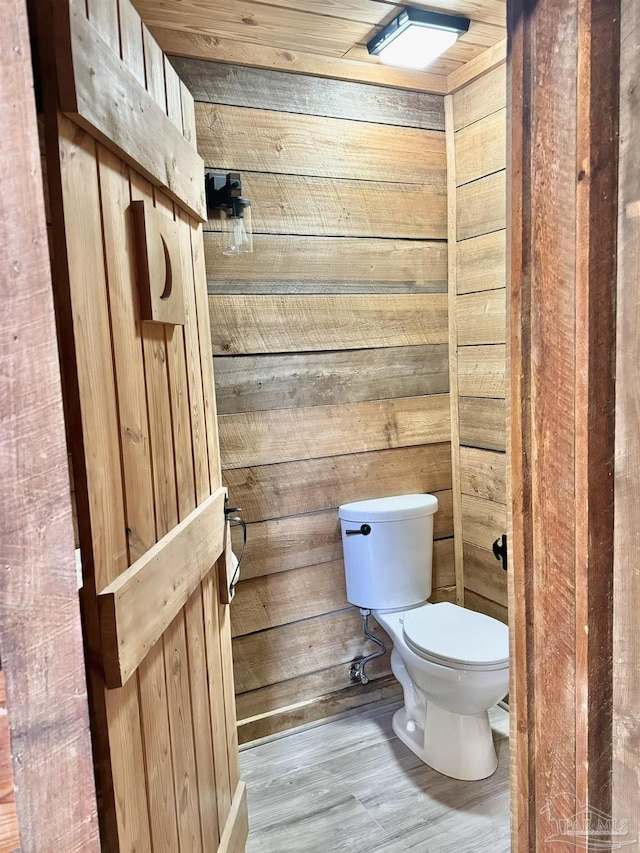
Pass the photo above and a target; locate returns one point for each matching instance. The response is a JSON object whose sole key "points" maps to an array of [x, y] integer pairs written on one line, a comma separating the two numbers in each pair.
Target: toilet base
{"points": [[456, 745]]}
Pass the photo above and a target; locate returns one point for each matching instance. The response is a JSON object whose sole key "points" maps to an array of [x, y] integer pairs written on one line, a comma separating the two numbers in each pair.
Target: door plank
{"points": [[210, 598], [237, 826], [136, 607], [95, 90]]}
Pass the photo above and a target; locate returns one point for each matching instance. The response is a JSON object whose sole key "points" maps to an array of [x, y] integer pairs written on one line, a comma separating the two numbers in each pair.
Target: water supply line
{"points": [[356, 669]]}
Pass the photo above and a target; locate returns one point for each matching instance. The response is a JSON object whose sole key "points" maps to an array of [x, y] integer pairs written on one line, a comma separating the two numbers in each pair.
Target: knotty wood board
{"points": [[363, 11], [480, 98], [483, 521], [253, 324], [482, 262], [253, 22], [482, 423], [481, 318], [484, 474], [254, 383], [298, 62], [481, 206], [327, 206], [327, 262], [282, 435], [484, 575], [265, 140], [481, 148], [235, 85], [481, 371], [289, 488], [307, 540]]}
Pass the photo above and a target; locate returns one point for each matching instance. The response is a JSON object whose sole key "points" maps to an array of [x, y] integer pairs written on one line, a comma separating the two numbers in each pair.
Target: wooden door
{"points": [[127, 200]]}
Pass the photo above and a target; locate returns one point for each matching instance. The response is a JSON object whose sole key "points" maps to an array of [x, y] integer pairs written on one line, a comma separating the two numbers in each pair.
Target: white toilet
{"points": [[453, 663]]}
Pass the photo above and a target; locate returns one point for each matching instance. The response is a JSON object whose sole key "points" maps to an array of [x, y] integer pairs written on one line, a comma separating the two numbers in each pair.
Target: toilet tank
{"points": [[388, 547]]}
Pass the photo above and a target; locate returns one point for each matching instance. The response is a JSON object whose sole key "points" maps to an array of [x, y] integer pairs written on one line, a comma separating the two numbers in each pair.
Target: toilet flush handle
{"points": [[365, 530]]}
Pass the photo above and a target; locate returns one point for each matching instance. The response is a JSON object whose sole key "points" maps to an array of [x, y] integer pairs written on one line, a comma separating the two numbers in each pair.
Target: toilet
{"points": [[452, 663]]}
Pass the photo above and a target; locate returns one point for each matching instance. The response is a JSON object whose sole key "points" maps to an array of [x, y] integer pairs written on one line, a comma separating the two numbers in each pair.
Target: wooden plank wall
{"points": [[331, 359], [478, 125]]}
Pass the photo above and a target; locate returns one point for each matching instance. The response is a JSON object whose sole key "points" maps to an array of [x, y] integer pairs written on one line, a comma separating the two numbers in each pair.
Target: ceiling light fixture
{"points": [[416, 38]]}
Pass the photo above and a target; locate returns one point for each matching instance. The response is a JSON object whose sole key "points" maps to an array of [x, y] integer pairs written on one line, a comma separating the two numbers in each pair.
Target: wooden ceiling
{"points": [[324, 37]]}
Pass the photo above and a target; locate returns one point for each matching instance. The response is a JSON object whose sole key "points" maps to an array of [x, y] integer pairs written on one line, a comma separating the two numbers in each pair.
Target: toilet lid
{"points": [[454, 636]]}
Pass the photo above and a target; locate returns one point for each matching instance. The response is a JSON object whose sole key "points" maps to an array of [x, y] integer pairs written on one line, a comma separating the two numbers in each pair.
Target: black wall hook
{"points": [[500, 550]]}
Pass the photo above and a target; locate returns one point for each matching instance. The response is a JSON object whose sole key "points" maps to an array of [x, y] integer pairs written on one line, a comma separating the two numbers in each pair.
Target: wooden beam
{"points": [[477, 67], [40, 629], [453, 347], [96, 90], [137, 607], [563, 225], [626, 583], [183, 43]]}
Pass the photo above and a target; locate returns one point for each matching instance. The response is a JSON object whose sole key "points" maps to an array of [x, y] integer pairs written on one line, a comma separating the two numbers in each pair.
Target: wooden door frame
{"points": [[573, 445], [40, 631]]}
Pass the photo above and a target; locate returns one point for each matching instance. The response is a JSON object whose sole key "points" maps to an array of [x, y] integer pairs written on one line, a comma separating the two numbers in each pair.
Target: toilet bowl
{"points": [[445, 718], [452, 663]]}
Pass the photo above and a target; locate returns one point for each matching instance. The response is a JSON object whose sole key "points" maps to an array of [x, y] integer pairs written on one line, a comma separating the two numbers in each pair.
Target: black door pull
{"points": [[500, 550], [365, 530]]}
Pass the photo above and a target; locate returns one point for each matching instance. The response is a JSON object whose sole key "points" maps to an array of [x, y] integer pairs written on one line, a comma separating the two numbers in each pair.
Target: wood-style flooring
{"points": [[351, 786]]}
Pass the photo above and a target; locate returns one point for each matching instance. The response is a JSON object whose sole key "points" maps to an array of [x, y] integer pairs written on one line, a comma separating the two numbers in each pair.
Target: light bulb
{"points": [[239, 237]]}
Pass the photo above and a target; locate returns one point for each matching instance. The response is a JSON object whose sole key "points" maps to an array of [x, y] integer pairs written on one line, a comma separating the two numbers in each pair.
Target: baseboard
{"points": [[342, 703]]}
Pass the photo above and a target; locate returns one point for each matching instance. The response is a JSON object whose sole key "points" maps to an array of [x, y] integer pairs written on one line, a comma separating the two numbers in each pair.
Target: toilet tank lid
{"points": [[397, 508]]}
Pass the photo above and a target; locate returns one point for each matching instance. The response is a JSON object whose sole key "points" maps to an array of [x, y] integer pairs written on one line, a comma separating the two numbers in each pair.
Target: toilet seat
{"points": [[457, 638]]}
